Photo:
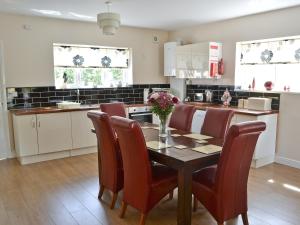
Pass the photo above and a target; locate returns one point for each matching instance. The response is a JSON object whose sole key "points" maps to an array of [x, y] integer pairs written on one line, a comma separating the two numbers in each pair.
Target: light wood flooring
{"points": [[64, 192]]}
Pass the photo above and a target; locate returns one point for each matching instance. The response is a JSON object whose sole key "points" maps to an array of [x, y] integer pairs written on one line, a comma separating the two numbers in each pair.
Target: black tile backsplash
{"points": [[49, 96], [218, 91]]}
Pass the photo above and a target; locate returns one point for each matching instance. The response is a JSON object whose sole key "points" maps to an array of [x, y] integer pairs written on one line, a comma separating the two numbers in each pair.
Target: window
{"points": [[275, 60], [91, 66]]}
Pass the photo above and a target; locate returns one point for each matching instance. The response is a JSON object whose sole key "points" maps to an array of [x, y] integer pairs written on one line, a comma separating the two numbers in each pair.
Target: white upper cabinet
{"points": [[54, 132], [200, 60], [81, 130], [170, 59]]}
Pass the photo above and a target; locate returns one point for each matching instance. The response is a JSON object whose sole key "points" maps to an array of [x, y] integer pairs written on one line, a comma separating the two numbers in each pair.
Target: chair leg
{"points": [[101, 192], [171, 194], [195, 204], [143, 219], [245, 219], [123, 209], [113, 201]]}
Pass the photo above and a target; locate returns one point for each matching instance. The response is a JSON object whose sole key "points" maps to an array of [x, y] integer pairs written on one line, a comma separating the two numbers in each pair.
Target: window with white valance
{"points": [[80, 66], [271, 61]]}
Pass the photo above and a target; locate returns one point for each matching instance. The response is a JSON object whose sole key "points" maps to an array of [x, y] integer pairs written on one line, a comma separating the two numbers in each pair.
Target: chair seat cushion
{"points": [[161, 174], [164, 180], [206, 176], [203, 187]]}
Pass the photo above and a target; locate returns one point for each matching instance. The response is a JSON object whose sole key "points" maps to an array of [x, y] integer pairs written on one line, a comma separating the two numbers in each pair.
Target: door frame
{"points": [[7, 150]]}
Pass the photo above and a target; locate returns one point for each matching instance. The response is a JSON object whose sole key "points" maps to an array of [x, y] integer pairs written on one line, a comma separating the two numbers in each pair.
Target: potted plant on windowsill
{"points": [[162, 105]]}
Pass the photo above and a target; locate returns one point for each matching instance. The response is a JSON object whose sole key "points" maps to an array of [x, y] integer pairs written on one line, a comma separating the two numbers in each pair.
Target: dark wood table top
{"points": [[178, 157], [175, 157]]}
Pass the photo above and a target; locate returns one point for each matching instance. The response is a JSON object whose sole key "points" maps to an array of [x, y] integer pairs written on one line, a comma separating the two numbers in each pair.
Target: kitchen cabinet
{"points": [[54, 132], [170, 59], [198, 120], [200, 60], [81, 130], [265, 148], [40, 137], [266, 144], [25, 135]]}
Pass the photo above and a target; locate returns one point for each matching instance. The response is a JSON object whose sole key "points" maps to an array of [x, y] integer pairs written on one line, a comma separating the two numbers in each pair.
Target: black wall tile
{"points": [[218, 91], [49, 96]]}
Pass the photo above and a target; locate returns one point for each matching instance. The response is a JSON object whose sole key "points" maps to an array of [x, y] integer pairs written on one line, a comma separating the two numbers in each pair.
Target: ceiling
{"points": [[160, 14]]}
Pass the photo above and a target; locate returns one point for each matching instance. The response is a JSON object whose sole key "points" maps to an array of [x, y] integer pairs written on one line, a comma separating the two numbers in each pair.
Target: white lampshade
{"points": [[108, 22]]}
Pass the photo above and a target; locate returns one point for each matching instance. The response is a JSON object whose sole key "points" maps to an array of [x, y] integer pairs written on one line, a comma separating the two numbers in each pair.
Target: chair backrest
{"points": [[216, 122], [113, 109], [182, 117], [136, 163], [108, 148], [234, 165]]}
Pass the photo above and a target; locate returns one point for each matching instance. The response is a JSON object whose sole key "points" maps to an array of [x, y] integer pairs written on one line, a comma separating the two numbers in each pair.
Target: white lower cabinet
{"points": [[266, 145], [54, 132], [25, 134], [198, 120], [41, 137], [81, 130]]}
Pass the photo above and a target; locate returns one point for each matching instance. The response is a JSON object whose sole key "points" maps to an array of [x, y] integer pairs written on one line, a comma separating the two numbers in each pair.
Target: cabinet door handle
{"points": [[33, 125], [39, 124]]}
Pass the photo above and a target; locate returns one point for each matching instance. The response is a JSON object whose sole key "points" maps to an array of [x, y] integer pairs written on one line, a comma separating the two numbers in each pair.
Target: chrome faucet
{"points": [[78, 94]]}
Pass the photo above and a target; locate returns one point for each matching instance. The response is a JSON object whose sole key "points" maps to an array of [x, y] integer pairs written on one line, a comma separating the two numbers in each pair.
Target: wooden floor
{"points": [[63, 192]]}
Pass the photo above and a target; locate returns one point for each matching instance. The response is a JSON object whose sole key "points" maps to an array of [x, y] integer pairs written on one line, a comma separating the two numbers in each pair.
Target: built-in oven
{"points": [[140, 113]]}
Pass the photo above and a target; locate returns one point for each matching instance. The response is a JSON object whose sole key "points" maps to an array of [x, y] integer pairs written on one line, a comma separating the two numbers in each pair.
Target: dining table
{"points": [[179, 153]]}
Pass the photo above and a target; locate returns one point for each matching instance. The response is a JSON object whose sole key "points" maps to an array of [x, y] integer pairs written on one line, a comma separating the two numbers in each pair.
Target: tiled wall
{"points": [[49, 96], [218, 91]]}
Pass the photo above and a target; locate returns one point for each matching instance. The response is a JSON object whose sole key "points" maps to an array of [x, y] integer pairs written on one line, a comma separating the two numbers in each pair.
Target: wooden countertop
{"points": [[198, 105], [204, 106], [54, 109]]}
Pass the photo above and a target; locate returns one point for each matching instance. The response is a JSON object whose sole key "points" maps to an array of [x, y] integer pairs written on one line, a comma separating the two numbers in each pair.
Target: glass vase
{"points": [[162, 127]]}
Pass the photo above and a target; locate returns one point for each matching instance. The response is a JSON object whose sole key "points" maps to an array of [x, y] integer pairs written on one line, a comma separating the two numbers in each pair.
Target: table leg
{"points": [[184, 207]]}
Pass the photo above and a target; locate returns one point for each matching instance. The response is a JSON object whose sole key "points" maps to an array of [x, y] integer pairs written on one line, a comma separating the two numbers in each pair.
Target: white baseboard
{"points": [[82, 151], [256, 163], [56, 155], [287, 162]]}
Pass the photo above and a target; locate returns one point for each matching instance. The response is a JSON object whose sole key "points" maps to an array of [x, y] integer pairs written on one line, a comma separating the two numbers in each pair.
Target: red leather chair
{"points": [[113, 109], [216, 122], [182, 117], [144, 185], [109, 155], [223, 189]]}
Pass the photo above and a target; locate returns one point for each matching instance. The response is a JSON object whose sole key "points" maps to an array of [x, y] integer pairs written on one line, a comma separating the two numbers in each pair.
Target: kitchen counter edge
{"points": [[205, 106], [43, 110]]}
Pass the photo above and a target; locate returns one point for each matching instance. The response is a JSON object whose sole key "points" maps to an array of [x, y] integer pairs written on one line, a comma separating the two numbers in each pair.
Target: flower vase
{"points": [[162, 127]]}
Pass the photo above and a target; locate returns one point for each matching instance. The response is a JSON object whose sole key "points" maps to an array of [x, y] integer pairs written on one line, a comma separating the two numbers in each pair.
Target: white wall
{"points": [[29, 57], [288, 151], [267, 25]]}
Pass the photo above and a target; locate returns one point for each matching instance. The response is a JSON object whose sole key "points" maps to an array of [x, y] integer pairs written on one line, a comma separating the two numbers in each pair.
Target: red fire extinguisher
{"points": [[221, 67], [213, 69]]}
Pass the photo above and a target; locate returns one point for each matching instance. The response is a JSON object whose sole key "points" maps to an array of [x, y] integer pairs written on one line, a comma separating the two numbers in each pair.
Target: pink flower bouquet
{"points": [[162, 105]]}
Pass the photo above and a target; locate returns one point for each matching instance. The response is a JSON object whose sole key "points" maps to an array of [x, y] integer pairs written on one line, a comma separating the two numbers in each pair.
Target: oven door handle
{"points": [[140, 114]]}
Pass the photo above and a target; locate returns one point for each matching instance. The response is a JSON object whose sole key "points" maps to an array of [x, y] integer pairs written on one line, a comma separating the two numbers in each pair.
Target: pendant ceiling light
{"points": [[109, 22]]}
